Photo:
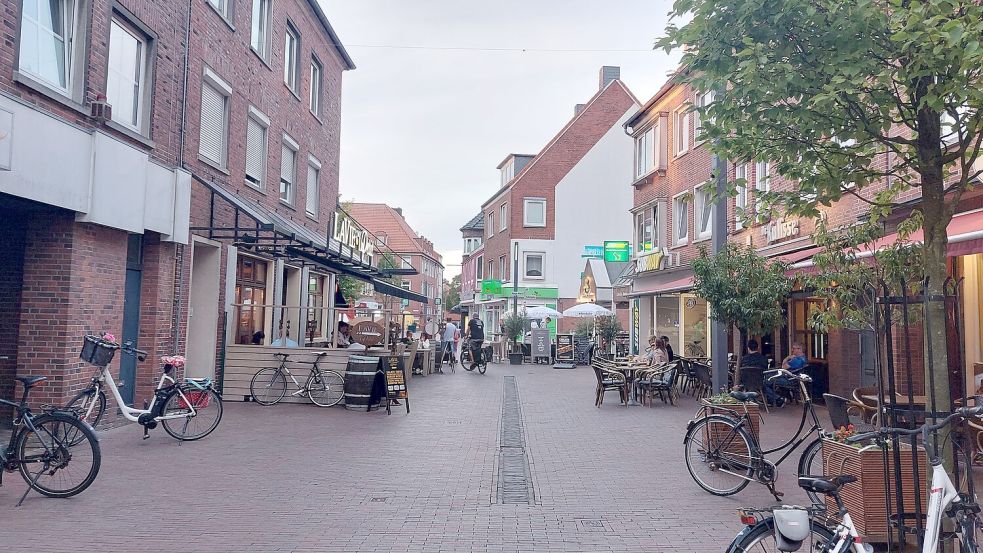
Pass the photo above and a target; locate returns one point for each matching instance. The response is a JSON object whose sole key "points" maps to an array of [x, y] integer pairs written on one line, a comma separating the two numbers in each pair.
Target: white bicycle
{"points": [[188, 411], [787, 528]]}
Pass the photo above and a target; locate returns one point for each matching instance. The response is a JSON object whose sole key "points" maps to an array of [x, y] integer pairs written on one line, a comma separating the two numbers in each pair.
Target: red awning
{"points": [[800, 255], [965, 233], [681, 285]]}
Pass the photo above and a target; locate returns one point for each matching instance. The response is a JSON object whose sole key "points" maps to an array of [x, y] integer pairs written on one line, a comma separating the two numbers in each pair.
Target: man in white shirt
{"points": [[447, 340]]}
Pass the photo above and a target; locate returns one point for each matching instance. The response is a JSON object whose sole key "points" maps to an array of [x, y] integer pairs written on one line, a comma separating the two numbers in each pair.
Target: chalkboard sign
{"points": [[395, 372], [540, 340], [564, 348]]}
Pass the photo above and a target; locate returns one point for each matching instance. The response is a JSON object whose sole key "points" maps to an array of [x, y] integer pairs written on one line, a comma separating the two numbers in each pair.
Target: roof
{"points": [[670, 83], [510, 156], [476, 223], [381, 219], [349, 64]]}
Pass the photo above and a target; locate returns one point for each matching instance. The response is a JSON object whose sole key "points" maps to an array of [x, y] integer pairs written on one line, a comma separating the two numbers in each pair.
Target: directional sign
{"points": [[619, 250]]}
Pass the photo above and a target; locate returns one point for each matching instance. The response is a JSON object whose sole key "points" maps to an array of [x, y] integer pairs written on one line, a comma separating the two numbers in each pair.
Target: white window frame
{"points": [[680, 131], [646, 149], [490, 223], [312, 199], [291, 189], [490, 272], [317, 83], [526, 202], [406, 262], [542, 265], [502, 261], [261, 120], [260, 28], [762, 183], [144, 66], [740, 201], [406, 285], [213, 81], [73, 36], [508, 171], [702, 101], [479, 272], [222, 7], [700, 206], [503, 214], [291, 58], [647, 214], [677, 238]]}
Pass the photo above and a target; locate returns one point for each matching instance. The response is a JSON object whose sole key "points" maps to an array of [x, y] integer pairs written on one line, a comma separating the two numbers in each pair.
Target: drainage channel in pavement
{"points": [[514, 478]]}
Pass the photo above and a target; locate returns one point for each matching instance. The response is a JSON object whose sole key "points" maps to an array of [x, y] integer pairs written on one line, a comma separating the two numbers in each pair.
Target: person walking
{"points": [[448, 342]]}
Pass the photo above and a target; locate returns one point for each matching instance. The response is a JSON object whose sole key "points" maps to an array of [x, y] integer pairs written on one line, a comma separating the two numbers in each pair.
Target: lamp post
{"points": [[718, 353], [515, 279]]}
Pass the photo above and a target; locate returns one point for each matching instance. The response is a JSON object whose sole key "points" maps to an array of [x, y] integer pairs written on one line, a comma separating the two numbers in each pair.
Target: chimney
{"points": [[398, 210], [578, 108], [609, 73]]}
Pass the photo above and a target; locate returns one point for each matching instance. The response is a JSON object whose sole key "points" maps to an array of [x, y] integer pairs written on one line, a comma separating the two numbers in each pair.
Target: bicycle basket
{"points": [[97, 351], [198, 399]]}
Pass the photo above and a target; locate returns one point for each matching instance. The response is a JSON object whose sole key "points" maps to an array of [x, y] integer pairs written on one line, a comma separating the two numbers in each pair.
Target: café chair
{"points": [[661, 380], [840, 409], [609, 379], [752, 379]]}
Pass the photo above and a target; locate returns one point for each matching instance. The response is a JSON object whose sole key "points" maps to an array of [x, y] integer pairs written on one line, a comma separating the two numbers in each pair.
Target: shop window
{"points": [[816, 343], [315, 300], [250, 298], [667, 320], [694, 335]]}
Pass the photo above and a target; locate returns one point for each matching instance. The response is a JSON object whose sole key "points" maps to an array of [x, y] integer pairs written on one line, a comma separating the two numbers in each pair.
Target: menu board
{"points": [[394, 370], [540, 341], [564, 348]]}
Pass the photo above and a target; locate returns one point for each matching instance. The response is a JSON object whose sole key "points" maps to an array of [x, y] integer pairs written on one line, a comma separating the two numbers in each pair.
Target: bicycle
{"points": [[694, 349], [324, 387], [944, 500], [191, 405], [723, 446], [468, 352], [51, 442]]}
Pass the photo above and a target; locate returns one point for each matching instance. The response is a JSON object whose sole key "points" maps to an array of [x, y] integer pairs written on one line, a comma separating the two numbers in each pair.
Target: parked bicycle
{"points": [[188, 411], [475, 349], [324, 387], [723, 456], [767, 530], [57, 454]]}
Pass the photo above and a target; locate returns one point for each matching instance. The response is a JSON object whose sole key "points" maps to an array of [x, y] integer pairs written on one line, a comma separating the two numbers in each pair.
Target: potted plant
{"points": [[608, 328], [724, 404], [515, 327], [865, 498]]}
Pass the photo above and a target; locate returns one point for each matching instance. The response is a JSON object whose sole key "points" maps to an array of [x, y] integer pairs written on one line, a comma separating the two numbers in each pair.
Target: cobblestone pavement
{"points": [[300, 478]]}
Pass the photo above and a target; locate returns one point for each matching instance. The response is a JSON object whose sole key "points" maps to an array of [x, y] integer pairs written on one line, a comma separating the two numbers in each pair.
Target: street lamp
{"points": [[515, 280]]}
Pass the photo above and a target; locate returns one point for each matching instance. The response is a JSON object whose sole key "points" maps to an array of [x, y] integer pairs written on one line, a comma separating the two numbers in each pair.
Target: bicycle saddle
{"points": [[744, 396], [319, 353], [29, 381], [825, 484], [281, 356]]}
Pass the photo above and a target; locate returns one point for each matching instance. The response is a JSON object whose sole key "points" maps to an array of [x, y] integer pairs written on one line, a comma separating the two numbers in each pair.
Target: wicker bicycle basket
{"points": [[97, 351]]}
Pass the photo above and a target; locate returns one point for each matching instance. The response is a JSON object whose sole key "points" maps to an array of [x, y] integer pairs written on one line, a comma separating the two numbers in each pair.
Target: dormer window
{"points": [[508, 172]]}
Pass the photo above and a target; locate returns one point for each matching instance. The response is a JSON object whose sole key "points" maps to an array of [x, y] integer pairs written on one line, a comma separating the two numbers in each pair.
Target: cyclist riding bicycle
{"points": [[476, 338]]}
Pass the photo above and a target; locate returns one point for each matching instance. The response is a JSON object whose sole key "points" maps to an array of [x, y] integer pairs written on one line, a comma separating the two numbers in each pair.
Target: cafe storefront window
{"points": [[667, 319], [683, 319], [815, 343], [315, 300], [250, 297]]}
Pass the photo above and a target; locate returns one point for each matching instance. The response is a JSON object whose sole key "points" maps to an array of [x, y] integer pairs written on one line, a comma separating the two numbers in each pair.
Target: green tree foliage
{"points": [[515, 326], [743, 288], [608, 327], [452, 292]]}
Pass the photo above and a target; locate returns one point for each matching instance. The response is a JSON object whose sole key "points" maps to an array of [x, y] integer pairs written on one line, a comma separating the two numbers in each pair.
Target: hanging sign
{"points": [[617, 250], [367, 333], [491, 287]]}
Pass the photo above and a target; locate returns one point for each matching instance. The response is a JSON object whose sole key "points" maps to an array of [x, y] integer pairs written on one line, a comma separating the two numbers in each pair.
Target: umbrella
{"points": [[541, 312], [586, 310]]}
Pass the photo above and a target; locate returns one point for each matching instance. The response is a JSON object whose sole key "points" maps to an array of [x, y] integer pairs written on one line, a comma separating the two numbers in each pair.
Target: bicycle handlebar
{"points": [[127, 347], [962, 412], [785, 372]]}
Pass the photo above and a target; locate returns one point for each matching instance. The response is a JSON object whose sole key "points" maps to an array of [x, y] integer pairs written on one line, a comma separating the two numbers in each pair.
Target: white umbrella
{"points": [[586, 310], [541, 312]]}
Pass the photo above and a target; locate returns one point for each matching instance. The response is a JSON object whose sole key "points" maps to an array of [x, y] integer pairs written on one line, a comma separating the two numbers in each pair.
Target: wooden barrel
{"points": [[359, 379]]}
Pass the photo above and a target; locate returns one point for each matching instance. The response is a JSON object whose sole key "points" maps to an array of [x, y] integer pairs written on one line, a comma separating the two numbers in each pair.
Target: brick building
{"points": [[472, 261], [408, 250], [553, 204]]}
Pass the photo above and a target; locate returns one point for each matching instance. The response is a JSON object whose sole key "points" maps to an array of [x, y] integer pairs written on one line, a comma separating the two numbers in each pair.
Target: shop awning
{"points": [[388, 289], [680, 285], [800, 255]]}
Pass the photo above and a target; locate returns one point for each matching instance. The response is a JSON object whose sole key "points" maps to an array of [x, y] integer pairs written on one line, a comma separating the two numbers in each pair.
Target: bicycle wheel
{"points": [[61, 457], [188, 426], [89, 406], [326, 388], [466, 360], [811, 464], [762, 538], [268, 386], [718, 454]]}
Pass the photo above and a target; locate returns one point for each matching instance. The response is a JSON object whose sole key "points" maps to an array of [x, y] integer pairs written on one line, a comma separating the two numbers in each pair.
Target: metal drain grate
{"points": [[514, 478]]}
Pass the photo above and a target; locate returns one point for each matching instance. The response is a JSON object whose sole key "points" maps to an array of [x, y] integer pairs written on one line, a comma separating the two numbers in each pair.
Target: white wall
{"points": [[592, 203], [107, 181]]}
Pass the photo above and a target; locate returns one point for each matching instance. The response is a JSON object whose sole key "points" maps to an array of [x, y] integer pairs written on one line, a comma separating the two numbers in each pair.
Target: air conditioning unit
{"points": [[673, 259]]}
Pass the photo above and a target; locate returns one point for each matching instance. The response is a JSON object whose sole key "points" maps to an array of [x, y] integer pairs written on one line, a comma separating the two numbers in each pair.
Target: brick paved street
{"points": [[299, 478]]}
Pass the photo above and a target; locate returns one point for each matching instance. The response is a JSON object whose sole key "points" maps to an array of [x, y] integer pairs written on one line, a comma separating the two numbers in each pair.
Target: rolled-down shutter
{"points": [[255, 152], [212, 134], [287, 157], [312, 190]]}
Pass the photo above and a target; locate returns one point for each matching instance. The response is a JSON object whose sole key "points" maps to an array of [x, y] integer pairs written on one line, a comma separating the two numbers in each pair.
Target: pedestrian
{"points": [[669, 352], [448, 341]]}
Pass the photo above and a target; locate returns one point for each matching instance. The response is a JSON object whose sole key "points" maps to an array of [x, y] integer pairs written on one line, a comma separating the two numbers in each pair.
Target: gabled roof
{"points": [[383, 220], [476, 223]]}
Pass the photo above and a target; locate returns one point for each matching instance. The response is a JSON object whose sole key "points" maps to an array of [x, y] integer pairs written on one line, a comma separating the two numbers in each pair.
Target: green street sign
{"points": [[491, 287], [617, 250]]}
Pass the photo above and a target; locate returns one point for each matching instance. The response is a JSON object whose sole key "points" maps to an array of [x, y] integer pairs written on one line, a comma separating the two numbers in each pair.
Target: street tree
{"points": [[452, 292], [869, 98]]}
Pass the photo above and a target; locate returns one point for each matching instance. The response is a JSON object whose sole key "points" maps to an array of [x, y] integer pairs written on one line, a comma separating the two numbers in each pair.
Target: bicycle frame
{"points": [[133, 414], [300, 389]]}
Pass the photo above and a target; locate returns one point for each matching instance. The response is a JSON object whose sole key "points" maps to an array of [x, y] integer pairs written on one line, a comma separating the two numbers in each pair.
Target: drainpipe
{"points": [[179, 267]]}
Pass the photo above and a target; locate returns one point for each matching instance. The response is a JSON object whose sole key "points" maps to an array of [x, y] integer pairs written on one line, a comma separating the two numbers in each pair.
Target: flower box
{"points": [[866, 498], [734, 411]]}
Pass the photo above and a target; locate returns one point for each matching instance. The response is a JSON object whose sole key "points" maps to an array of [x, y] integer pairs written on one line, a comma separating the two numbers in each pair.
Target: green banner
{"points": [[491, 287], [617, 250]]}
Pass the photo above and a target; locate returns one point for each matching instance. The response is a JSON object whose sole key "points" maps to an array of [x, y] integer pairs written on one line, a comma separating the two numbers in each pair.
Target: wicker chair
{"points": [[704, 380], [661, 380], [840, 409], [609, 379], [752, 379]]}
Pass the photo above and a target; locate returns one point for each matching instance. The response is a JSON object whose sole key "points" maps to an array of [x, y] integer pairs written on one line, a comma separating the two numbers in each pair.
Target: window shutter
{"points": [[287, 173], [312, 190], [212, 134], [255, 151]]}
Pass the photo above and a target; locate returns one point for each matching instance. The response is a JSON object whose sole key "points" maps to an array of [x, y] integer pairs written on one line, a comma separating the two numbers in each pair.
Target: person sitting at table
{"points": [[795, 361], [672, 356], [344, 334]]}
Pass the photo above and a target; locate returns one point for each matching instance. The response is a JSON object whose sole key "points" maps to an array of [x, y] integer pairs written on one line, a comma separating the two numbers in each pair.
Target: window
{"points": [[491, 269], [256, 126], [508, 172], [313, 187], [703, 211], [288, 169], [740, 202], [534, 265], [405, 285], [250, 298], [406, 263], [503, 216], [126, 75], [644, 230], [815, 343], [680, 219], [222, 7], [534, 212], [316, 87], [260, 38], [702, 102], [681, 131], [471, 244], [480, 268], [762, 183], [291, 58], [645, 150], [315, 300], [214, 129], [503, 267], [47, 41], [490, 224]]}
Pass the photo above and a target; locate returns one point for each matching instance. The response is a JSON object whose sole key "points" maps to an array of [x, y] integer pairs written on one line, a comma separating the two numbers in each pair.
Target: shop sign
{"points": [[617, 250], [780, 229], [532, 292], [367, 333], [635, 308], [588, 292], [655, 261], [351, 234], [491, 287], [595, 252], [564, 348]]}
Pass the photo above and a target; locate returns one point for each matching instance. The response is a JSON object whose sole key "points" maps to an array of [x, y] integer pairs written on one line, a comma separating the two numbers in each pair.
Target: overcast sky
{"points": [[424, 128]]}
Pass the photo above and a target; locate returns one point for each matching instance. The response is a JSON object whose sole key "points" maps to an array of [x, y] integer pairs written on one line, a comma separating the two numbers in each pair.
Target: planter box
{"points": [[728, 410], [866, 498], [515, 358]]}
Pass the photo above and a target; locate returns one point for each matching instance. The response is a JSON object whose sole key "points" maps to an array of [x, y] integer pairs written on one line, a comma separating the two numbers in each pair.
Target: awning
{"points": [[384, 287], [800, 255], [680, 285]]}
